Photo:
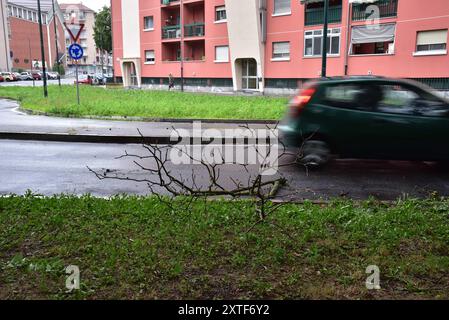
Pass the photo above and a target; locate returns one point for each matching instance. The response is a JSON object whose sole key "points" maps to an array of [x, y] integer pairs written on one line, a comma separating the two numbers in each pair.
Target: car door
{"points": [[414, 129], [350, 119]]}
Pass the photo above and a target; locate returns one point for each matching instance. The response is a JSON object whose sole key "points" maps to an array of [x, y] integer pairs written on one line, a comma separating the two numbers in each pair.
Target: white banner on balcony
{"points": [[362, 1], [365, 34]]}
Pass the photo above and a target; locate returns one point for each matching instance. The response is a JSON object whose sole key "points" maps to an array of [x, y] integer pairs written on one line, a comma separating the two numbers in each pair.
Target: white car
{"points": [[24, 76]]}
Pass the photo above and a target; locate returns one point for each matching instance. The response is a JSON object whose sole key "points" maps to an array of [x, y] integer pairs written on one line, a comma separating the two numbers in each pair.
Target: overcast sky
{"points": [[93, 4]]}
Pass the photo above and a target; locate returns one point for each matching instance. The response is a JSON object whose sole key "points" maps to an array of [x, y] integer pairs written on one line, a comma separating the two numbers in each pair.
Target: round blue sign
{"points": [[76, 52]]}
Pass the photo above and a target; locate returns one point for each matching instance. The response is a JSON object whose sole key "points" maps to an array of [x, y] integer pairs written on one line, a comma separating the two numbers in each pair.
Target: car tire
{"points": [[315, 154]]}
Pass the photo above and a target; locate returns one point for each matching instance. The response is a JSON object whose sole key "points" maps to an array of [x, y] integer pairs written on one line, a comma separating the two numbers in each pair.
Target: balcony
{"points": [[387, 9], [171, 32], [315, 16], [194, 29]]}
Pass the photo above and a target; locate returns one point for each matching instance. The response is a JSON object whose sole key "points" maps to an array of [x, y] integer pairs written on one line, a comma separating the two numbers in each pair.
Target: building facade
{"points": [[94, 59], [24, 37], [276, 45]]}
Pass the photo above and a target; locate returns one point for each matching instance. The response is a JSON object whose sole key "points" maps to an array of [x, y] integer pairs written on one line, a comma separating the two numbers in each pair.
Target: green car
{"points": [[369, 118]]}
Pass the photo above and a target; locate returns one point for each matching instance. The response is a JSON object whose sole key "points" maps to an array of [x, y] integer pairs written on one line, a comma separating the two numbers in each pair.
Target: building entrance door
{"points": [[250, 80]]}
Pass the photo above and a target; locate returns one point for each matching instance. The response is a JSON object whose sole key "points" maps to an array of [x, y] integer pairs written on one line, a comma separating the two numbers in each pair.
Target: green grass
{"points": [[136, 248], [145, 103]]}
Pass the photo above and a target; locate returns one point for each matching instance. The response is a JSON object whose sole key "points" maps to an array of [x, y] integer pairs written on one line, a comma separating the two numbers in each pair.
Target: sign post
{"points": [[76, 53]]}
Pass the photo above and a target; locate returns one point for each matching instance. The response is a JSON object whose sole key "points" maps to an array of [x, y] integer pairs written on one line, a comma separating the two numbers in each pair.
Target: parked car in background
{"points": [[36, 75], [52, 75], [25, 76], [367, 117], [17, 76], [85, 79], [2, 79], [9, 76]]}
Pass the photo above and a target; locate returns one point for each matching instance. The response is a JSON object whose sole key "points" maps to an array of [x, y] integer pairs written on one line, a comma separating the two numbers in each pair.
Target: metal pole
{"points": [[77, 83], [31, 63], [102, 57], [181, 12], [56, 42], [325, 37], [44, 72]]}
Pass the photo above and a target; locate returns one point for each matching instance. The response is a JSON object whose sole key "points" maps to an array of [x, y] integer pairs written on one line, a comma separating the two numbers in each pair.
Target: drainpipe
{"points": [[348, 26], [325, 37], [181, 12]]}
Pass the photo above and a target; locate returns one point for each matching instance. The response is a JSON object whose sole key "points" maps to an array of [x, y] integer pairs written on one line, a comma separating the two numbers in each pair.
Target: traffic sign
{"points": [[74, 30], [76, 52]]}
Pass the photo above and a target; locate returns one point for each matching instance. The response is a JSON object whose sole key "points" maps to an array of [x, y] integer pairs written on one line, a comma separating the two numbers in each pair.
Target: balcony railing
{"points": [[194, 29], [387, 9], [315, 16], [167, 2], [171, 32]]}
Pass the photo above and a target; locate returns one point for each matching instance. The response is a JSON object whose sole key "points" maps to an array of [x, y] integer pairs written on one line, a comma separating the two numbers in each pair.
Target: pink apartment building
{"points": [[275, 45]]}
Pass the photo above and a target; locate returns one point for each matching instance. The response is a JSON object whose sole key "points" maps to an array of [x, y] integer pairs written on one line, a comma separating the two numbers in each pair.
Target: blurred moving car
{"points": [[9, 76], [24, 76], [367, 117]]}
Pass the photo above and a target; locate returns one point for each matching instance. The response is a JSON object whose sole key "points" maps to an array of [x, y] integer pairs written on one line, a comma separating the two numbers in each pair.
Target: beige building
{"points": [[5, 60], [93, 57]]}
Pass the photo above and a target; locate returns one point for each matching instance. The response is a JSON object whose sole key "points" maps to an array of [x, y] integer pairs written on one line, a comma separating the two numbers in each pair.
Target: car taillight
{"points": [[299, 102]]}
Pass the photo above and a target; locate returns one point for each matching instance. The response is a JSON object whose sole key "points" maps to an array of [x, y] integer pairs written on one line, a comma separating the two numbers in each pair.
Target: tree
{"points": [[103, 30]]}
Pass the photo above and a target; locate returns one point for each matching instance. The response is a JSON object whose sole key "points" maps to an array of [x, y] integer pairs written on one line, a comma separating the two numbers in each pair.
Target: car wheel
{"points": [[315, 154]]}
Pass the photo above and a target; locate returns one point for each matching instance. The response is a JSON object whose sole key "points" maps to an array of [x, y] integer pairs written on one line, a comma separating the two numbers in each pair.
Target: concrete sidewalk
{"points": [[17, 125]]}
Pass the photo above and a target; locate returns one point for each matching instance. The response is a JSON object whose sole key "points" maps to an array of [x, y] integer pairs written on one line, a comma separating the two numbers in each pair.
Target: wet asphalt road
{"points": [[51, 168]]}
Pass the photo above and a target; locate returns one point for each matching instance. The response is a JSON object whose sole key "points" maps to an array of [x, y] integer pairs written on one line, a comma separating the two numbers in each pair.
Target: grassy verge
{"points": [[135, 248], [144, 103]]}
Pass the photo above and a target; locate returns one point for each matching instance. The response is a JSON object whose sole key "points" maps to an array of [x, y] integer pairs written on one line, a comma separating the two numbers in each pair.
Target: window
{"points": [[313, 42], [222, 54], [369, 40], [220, 14], [149, 57], [282, 7], [431, 42], [148, 23], [34, 16], [281, 51], [399, 99]]}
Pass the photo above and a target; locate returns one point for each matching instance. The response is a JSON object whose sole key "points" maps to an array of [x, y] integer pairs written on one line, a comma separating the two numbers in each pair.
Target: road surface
{"points": [[50, 168]]}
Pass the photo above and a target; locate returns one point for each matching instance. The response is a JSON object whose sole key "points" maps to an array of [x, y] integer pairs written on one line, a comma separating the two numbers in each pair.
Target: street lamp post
{"points": [[56, 42], [44, 72]]}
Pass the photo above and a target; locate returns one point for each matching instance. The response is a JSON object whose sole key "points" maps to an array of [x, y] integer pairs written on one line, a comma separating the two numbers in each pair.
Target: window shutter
{"points": [[281, 48], [222, 53], [432, 37], [282, 6]]}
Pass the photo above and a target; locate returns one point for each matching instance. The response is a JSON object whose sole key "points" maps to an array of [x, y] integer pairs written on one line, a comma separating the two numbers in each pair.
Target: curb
{"points": [[143, 119], [83, 138], [56, 137]]}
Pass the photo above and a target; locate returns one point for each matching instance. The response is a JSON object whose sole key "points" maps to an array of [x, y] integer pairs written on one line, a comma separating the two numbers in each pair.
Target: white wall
{"points": [[245, 36], [131, 29], [5, 61]]}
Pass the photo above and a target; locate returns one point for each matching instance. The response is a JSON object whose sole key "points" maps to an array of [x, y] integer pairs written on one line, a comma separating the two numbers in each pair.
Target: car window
{"points": [[399, 99], [360, 96]]}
